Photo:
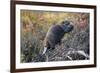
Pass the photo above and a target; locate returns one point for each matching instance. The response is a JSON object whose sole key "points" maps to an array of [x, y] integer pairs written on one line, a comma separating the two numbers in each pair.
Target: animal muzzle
{"points": [[69, 28]]}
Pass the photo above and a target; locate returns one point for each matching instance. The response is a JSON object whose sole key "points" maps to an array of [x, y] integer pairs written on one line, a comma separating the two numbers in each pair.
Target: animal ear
{"points": [[62, 22], [65, 22]]}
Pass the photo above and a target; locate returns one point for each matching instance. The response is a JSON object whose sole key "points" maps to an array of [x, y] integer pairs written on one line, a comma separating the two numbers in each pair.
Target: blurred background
{"points": [[34, 26]]}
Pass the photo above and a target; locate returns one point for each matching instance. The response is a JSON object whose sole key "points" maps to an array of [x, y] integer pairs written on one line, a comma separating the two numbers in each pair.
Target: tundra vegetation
{"points": [[34, 26]]}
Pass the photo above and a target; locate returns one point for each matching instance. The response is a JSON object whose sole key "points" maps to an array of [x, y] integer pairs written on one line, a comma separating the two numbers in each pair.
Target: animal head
{"points": [[67, 26]]}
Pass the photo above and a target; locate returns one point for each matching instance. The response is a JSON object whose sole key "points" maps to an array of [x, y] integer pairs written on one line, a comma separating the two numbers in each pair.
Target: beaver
{"points": [[55, 34]]}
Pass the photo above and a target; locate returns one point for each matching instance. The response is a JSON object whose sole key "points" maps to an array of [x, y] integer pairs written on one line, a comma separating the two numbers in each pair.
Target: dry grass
{"points": [[34, 26]]}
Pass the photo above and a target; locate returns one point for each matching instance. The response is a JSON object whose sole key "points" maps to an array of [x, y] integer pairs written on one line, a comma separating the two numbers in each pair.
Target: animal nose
{"points": [[71, 25]]}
